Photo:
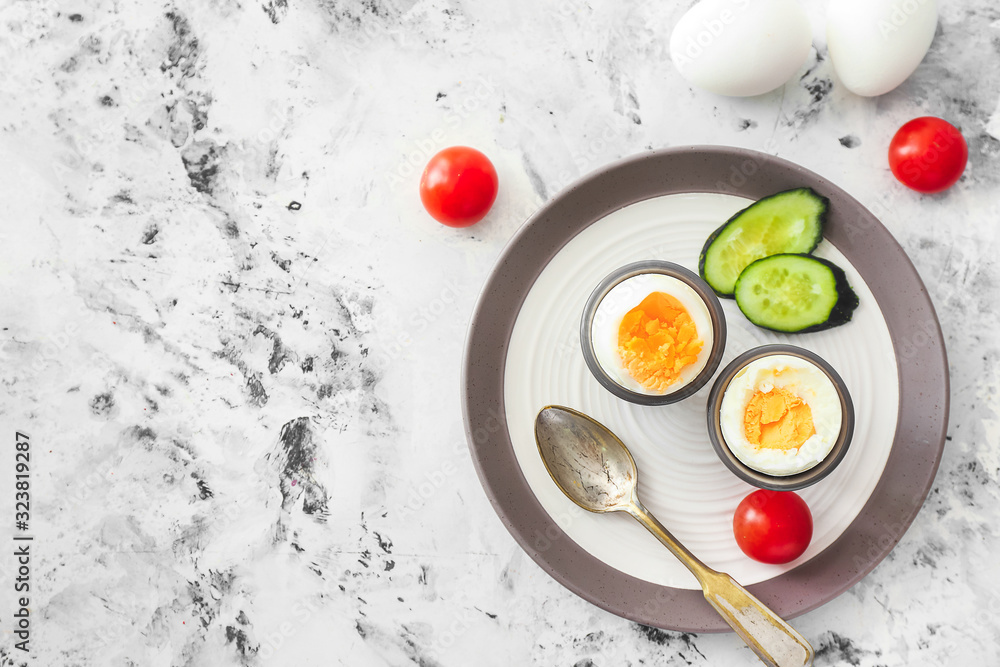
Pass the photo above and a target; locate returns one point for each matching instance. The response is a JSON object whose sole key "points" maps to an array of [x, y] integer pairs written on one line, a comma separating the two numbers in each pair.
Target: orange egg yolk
{"points": [[656, 340], [778, 419]]}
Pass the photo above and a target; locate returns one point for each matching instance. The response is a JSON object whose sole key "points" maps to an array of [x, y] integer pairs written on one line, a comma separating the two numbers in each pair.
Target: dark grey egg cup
{"points": [[668, 269], [779, 482]]}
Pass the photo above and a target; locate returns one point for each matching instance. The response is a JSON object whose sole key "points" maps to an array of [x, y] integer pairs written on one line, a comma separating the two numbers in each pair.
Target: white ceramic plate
{"points": [[680, 478]]}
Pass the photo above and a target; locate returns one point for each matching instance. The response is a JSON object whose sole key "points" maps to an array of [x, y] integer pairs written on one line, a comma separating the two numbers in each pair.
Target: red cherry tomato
{"points": [[928, 154], [773, 526], [458, 187]]}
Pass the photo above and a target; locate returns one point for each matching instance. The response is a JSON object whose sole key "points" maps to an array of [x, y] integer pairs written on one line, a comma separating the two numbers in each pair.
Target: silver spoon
{"points": [[596, 471]]}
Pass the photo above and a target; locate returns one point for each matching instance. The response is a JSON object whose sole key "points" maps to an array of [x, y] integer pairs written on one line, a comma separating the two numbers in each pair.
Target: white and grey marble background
{"points": [[244, 411]]}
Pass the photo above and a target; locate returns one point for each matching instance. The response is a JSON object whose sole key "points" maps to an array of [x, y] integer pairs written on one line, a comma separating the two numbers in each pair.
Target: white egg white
{"points": [[625, 296], [805, 380]]}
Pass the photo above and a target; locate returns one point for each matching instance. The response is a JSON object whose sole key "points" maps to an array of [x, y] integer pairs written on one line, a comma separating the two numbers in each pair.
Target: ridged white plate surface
{"points": [[680, 478]]}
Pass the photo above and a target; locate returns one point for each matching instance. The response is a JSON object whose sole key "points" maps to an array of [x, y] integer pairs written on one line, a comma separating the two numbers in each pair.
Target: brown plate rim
{"points": [[901, 295]]}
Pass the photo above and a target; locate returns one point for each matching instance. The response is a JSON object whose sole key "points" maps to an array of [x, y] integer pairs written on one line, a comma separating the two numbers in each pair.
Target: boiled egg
{"points": [[875, 45], [652, 334], [781, 415], [741, 47]]}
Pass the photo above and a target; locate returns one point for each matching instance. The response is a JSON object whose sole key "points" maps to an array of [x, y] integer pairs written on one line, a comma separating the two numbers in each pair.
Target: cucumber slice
{"points": [[786, 222], [795, 293]]}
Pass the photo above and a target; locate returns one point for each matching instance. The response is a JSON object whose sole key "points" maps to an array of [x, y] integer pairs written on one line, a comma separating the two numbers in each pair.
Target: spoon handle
{"points": [[775, 642], [643, 516]]}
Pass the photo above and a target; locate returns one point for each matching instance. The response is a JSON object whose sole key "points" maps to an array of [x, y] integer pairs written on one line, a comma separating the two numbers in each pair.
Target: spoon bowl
{"points": [[595, 470]]}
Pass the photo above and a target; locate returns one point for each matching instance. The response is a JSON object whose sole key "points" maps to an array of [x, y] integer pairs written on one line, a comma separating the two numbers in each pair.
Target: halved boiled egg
{"points": [[781, 415], [652, 334]]}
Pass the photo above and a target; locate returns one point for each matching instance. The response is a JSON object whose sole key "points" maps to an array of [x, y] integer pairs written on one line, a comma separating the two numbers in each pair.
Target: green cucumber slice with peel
{"points": [[787, 222], [795, 293]]}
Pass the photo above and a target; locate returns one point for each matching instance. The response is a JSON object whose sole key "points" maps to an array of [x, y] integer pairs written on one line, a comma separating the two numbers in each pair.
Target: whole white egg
{"points": [[741, 47], [625, 296], [876, 44]]}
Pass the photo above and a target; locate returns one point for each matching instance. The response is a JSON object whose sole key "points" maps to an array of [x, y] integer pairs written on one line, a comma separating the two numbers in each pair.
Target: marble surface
{"points": [[245, 418]]}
